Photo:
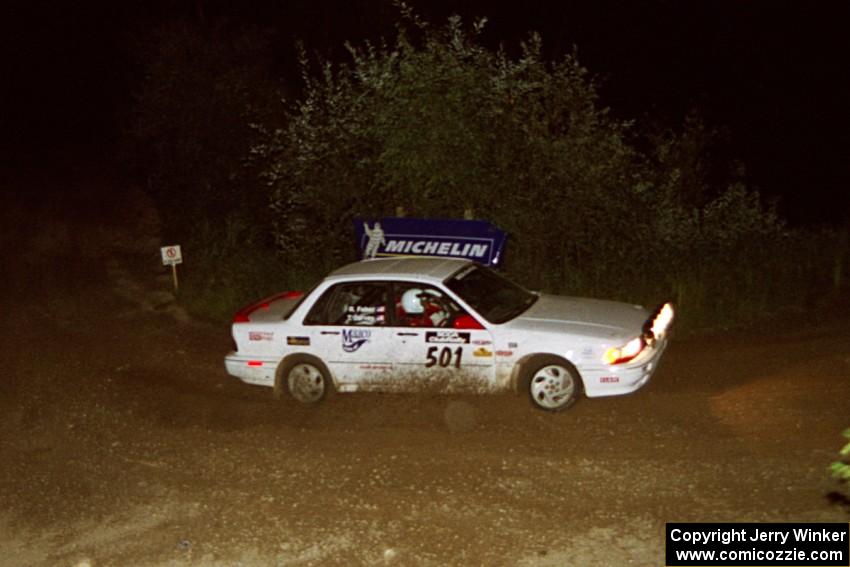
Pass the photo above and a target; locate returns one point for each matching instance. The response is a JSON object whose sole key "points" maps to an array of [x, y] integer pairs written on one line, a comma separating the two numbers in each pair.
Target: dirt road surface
{"points": [[123, 441]]}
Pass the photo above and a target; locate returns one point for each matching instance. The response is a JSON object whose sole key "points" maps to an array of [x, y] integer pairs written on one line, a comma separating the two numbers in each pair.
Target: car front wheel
{"points": [[306, 380], [553, 384]]}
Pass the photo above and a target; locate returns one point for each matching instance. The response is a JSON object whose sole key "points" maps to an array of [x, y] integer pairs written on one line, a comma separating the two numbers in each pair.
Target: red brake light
{"points": [[244, 314]]}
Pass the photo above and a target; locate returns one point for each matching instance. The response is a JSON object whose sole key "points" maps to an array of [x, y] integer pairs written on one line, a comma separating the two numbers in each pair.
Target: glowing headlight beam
{"points": [[624, 353], [662, 320]]}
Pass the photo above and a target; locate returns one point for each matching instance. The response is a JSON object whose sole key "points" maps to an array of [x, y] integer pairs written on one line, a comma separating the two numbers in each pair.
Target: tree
{"points": [[439, 125], [190, 133]]}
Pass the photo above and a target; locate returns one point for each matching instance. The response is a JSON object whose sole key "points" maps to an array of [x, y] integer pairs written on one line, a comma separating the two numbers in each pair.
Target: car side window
{"points": [[361, 304], [419, 305]]}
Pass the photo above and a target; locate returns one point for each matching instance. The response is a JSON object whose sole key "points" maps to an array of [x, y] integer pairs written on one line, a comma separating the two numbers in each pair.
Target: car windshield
{"points": [[495, 298]]}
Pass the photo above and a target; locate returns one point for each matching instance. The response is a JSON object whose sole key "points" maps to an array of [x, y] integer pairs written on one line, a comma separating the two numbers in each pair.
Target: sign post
{"points": [[171, 256]]}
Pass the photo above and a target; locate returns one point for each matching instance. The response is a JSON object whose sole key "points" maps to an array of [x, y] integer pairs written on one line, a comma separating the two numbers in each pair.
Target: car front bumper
{"points": [[615, 380]]}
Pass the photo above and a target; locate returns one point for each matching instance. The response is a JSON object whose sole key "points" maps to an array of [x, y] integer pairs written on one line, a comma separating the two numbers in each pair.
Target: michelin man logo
{"points": [[376, 239]]}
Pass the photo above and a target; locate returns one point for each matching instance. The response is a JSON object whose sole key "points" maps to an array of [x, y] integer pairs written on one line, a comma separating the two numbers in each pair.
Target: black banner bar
{"points": [[759, 545]]}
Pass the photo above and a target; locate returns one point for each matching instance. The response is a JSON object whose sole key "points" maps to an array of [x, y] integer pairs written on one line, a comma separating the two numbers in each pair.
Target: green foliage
{"points": [[437, 124], [190, 138], [445, 126], [190, 130], [841, 468], [231, 266]]}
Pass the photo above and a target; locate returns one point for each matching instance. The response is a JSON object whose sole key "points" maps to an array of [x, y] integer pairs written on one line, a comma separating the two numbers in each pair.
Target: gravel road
{"points": [[125, 443]]}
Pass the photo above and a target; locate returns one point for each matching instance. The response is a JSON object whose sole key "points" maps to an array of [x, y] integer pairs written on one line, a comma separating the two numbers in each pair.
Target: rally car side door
{"points": [[441, 348], [349, 332]]}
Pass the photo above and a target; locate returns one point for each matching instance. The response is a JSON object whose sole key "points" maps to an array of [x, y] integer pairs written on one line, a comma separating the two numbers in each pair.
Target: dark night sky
{"points": [[774, 74]]}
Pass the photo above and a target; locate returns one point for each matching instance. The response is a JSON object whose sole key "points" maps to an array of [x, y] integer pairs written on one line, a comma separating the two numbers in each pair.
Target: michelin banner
{"points": [[470, 239]]}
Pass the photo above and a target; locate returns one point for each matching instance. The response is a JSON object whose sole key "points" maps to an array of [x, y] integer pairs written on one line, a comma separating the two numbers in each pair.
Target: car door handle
{"points": [[408, 334], [330, 332]]}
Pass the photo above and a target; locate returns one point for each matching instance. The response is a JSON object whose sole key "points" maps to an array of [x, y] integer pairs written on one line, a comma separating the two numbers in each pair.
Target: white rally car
{"points": [[408, 324]]}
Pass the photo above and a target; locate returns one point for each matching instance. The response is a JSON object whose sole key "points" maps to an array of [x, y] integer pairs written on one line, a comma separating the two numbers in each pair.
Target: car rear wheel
{"points": [[553, 384], [306, 380]]}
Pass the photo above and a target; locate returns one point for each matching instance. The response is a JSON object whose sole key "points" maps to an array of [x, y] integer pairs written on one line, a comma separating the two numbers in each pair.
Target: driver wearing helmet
{"points": [[422, 308]]}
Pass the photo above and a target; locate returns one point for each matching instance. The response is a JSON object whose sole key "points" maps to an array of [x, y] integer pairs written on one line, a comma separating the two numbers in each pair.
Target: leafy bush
{"points": [[841, 468], [448, 126], [231, 265], [437, 124]]}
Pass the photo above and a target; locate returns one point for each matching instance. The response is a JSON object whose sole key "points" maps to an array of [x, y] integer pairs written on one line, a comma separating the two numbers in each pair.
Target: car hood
{"points": [[594, 317]]}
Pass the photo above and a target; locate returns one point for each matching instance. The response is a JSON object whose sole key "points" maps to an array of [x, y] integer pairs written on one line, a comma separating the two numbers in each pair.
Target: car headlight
{"points": [[625, 353], [662, 321]]}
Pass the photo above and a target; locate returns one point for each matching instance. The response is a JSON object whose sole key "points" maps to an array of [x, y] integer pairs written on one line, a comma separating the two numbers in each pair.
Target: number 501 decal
{"points": [[444, 358]]}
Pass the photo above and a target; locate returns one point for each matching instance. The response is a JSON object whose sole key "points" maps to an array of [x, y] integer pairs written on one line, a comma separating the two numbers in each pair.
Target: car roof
{"points": [[434, 269]]}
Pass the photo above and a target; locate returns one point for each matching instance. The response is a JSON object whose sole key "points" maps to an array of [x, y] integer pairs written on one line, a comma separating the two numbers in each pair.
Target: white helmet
{"points": [[410, 301]]}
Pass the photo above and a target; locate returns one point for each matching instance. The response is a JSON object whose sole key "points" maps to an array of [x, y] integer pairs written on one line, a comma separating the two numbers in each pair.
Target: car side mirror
{"points": [[467, 322]]}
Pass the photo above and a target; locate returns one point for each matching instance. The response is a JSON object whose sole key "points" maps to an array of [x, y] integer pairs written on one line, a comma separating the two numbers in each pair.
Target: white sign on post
{"points": [[171, 256]]}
